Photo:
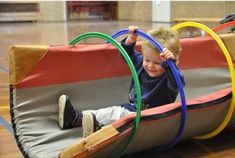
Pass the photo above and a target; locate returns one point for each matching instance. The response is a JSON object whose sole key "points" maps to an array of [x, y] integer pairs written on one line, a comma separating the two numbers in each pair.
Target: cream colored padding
{"points": [[229, 41], [23, 58], [105, 134]]}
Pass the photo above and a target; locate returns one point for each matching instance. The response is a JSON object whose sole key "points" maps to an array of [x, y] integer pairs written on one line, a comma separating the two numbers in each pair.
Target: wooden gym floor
{"points": [[60, 33]]}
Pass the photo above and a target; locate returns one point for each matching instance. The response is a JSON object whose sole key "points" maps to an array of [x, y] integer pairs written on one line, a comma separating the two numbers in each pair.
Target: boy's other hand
{"points": [[167, 55]]}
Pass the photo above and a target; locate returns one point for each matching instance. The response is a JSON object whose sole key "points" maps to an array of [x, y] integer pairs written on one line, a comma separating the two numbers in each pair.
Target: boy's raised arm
{"points": [[132, 37]]}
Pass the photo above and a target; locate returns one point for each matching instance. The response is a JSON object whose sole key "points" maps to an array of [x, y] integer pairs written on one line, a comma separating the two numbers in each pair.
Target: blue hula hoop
{"points": [[178, 81]]}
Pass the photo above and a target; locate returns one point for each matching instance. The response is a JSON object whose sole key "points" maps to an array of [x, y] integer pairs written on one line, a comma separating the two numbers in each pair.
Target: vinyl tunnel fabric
{"points": [[60, 70]]}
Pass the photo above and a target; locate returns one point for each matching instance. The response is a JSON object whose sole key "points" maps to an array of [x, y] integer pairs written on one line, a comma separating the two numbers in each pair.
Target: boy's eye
{"points": [[156, 63]]}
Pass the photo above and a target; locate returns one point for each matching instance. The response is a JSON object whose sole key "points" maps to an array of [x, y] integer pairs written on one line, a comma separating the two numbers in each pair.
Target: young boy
{"points": [[158, 85]]}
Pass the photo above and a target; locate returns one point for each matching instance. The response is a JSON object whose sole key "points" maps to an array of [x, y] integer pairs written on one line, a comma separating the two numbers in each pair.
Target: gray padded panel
{"points": [[36, 112], [203, 81], [36, 108]]}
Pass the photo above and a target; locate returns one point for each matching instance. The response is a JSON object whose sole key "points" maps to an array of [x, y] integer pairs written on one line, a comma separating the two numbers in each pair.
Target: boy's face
{"points": [[152, 62]]}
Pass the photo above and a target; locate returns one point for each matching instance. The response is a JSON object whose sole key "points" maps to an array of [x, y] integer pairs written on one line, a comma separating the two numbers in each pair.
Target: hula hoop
{"points": [[232, 74], [223, 26], [130, 64], [178, 81]]}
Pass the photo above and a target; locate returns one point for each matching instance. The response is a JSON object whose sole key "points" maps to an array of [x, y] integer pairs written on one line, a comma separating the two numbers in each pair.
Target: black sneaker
{"points": [[68, 116], [89, 124]]}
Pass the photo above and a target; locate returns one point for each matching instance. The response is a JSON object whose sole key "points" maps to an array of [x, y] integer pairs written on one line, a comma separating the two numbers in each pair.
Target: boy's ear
{"points": [[180, 49], [177, 58]]}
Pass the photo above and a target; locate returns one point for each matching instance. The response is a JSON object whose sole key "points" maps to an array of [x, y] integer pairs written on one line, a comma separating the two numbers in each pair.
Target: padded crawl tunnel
{"points": [[96, 76]]}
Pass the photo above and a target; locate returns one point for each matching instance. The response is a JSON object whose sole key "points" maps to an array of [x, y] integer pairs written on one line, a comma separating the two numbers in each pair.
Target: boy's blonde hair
{"points": [[167, 38]]}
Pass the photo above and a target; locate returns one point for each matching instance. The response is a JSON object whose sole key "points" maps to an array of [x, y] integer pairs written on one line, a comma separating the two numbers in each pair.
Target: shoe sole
{"points": [[62, 102], [87, 124]]}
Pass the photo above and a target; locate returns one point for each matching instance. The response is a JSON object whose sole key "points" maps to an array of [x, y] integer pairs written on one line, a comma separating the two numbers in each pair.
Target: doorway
{"points": [[91, 10]]}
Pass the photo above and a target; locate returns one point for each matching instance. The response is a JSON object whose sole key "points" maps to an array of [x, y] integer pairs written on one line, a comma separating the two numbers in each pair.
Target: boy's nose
{"points": [[150, 65]]}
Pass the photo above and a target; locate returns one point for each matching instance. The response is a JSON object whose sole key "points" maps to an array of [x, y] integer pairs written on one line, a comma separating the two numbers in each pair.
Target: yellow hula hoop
{"points": [[232, 74]]}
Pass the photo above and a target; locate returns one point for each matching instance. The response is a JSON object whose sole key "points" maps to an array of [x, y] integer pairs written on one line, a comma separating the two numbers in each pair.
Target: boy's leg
{"points": [[68, 116], [89, 124], [110, 114], [94, 119], [91, 120]]}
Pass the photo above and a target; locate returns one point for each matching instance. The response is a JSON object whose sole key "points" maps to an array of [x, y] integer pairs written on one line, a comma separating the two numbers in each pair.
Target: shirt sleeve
{"points": [[171, 79], [135, 56]]}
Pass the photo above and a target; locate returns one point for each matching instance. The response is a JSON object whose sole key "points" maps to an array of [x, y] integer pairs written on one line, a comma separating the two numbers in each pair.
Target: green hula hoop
{"points": [[131, 66]]}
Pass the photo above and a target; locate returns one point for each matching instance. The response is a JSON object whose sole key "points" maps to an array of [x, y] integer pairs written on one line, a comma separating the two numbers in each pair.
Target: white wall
{"points": [[52, 10], [161, 11]]}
